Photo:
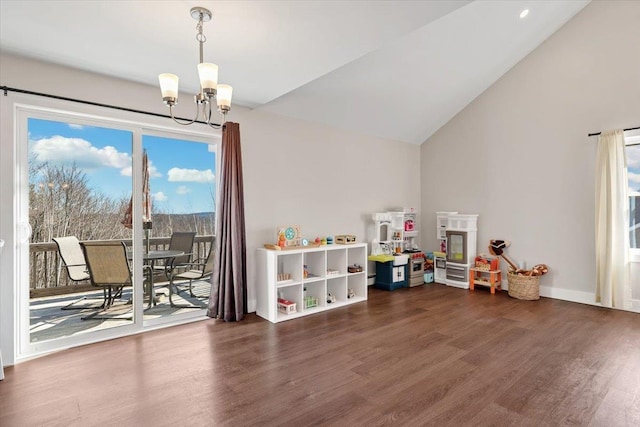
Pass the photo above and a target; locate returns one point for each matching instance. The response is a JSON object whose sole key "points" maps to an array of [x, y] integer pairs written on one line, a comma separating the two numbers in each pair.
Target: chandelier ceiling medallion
{"points": [[210, 90]]}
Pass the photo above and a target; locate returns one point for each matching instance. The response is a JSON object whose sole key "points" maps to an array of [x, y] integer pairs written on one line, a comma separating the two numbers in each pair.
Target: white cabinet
{"points": [[461, 248], [306, 277]]}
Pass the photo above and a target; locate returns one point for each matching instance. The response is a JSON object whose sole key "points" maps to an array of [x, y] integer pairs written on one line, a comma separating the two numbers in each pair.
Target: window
{"points": [[633, 166]]}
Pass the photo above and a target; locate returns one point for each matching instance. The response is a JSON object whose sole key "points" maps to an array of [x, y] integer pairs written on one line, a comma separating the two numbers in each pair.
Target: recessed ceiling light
{"points": [[524, 13]]}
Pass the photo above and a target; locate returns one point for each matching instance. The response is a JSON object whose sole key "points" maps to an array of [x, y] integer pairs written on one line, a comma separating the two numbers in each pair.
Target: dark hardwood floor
{"points": [[431, 355]]}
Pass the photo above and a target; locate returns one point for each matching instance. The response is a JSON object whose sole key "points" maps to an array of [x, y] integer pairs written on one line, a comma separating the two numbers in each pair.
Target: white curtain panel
{"points": [[612, 222]]}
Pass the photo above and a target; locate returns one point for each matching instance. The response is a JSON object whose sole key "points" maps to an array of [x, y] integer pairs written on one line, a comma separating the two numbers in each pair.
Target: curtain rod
{"points": [[625, 130], [97, 104]]}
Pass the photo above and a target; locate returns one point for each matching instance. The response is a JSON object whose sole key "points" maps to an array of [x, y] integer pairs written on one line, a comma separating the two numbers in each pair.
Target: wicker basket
{"points": [[524, 287]]}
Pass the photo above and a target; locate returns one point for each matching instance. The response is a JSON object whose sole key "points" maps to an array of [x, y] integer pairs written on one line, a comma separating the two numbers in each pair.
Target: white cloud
{"points": [[59, 149], [634, 181], [633, 157], [153, 171], [74, 126], [159, 197], [183, 189], [190, 175]]}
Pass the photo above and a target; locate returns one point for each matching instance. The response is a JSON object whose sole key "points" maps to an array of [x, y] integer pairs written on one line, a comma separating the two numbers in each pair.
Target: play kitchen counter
{"points": [[299, 282]]}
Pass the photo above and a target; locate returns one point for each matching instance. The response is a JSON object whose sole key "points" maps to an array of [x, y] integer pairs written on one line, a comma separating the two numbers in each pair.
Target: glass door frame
{"points": [[23, 347]]}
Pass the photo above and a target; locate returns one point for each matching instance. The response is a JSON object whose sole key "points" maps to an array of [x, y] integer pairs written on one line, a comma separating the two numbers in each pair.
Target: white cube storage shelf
{"points": [[326, 268]]}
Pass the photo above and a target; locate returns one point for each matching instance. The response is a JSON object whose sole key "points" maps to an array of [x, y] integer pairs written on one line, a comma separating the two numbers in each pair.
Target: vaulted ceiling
{"points": [[392, 69]]}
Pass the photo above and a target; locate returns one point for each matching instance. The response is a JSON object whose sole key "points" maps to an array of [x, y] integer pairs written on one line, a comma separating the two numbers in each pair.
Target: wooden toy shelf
{"points": [[492, 278]]}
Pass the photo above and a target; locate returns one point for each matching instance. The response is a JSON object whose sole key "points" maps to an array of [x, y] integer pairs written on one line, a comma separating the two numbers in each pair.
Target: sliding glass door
{"points": [[79, 183], [99, 200], [180, 217]]}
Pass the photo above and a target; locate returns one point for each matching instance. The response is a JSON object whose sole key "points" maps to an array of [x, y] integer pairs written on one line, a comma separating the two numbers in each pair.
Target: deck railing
{"points": [[47, 277]]}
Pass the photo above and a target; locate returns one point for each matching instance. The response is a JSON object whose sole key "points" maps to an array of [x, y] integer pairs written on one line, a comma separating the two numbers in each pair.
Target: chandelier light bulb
{"points": [[208, 77], [169, 88], [224, 98]]}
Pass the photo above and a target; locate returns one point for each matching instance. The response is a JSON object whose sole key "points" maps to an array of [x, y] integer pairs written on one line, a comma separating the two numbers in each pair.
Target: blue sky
{"points": [[182, 172]]}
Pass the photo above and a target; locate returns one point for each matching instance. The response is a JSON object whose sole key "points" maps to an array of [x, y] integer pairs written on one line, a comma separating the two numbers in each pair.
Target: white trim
{"points": [[633, 137], [157, 325], [579, 297]]}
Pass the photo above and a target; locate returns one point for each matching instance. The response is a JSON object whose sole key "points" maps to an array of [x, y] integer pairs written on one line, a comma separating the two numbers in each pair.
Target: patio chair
{"points": [[74, 263], [198, 269], [109, 269], [180, 241]]}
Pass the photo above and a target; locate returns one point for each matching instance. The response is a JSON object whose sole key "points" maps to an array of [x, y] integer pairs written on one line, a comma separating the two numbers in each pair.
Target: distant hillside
{"points": [[201, 222]]}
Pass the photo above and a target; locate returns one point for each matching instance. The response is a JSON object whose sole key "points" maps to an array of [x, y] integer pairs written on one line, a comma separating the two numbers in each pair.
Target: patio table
{"points": [[150, 259]]}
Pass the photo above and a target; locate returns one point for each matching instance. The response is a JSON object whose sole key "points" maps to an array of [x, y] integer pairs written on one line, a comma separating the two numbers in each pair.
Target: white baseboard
{"points": [[580, 297], [569, 295], [563, 294]]}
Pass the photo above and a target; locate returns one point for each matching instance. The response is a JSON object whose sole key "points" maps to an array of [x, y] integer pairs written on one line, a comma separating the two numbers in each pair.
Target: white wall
{"points": [[327, 181], [519, 155]]}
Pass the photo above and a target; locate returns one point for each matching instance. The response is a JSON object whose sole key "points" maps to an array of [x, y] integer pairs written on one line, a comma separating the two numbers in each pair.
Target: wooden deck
{"points": [[49, 321]]}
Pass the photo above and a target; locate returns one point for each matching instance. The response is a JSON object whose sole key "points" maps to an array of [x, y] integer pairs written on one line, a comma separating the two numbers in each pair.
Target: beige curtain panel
{"points": [[612, 222]]}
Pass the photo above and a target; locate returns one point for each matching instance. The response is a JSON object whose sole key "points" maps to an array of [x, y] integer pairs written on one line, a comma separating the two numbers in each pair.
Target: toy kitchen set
{"points": [[457, 236], [399, 262]]}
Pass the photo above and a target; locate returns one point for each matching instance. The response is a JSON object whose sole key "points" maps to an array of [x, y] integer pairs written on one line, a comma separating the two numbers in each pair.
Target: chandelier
{"points": [[210, 90]]}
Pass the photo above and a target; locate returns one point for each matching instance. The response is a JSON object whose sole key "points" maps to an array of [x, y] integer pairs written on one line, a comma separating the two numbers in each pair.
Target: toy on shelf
{"points": [[288, 236], [310, 301], [486, 263], [355, 268], [286, 306], [284, 277], [345, 239]]}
